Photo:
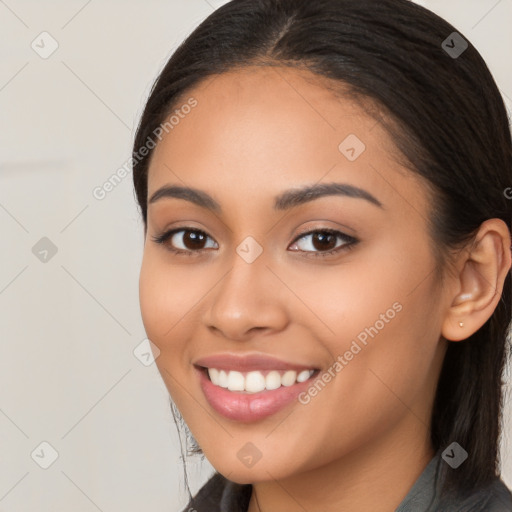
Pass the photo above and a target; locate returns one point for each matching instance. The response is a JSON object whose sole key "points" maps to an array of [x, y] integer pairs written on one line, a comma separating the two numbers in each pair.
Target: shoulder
{"points": [[220, 494], [495, 497], [499, 497], [209, 494]]}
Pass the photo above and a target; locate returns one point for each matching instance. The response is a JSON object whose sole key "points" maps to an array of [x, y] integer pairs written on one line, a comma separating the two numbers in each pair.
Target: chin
{"points": [[261, 471]]}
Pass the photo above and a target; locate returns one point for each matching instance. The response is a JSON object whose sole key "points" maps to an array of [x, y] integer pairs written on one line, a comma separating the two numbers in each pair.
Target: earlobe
{"points": [[483, 270]]}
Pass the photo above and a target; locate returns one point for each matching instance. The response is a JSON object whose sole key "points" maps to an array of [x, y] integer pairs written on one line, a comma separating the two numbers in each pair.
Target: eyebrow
{"points": [[284, 201]]}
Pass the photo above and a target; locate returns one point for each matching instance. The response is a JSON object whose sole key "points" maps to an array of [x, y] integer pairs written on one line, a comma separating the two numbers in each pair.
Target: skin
{"points": [[360, 443]]}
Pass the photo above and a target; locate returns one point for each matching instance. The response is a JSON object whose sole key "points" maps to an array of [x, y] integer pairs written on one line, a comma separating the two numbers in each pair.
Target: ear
{"points": [[478, 285]]}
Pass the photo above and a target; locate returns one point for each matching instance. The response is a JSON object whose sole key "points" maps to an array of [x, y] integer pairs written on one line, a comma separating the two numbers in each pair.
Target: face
{"points": [[267, 286]]}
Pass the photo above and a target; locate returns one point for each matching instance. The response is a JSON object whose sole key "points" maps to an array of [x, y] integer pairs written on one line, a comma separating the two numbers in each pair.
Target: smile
{"points": [[248, 387], [256, 381]]}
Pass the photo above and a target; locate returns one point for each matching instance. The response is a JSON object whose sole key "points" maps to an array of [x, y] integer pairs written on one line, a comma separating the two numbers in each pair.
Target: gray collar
{"points": [[423, 495]]}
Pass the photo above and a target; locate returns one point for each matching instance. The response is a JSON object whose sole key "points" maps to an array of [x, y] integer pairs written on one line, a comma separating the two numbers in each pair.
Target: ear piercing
{"points": [[461, 324]]}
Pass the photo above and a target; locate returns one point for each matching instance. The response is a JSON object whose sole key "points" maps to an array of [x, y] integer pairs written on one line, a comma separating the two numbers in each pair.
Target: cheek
{"points": [[166, 295], [154, 302], [163, 304], [383, 320], [365, 290]]}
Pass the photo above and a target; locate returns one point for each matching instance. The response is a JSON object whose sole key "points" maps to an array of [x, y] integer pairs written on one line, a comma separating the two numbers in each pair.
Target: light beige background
{"points": [[69, 326]]}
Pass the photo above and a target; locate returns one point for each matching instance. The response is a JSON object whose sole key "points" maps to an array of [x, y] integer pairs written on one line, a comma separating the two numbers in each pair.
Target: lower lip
{"points": [[248, 407]]}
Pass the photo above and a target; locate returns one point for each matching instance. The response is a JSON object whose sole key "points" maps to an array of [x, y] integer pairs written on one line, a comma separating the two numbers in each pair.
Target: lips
{"points": [[248, 362], [241, 405]]}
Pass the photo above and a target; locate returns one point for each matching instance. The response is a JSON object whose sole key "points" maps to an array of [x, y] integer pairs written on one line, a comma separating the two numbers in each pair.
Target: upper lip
{"points": [[248, 362]]}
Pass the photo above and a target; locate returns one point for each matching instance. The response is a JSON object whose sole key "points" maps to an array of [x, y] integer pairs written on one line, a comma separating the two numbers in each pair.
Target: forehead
{"points": [[274, 96], [268, 128]]}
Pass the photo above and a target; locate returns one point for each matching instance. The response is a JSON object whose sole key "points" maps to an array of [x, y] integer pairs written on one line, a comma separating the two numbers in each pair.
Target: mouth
{"points": [[251, 396], [256, 381]]}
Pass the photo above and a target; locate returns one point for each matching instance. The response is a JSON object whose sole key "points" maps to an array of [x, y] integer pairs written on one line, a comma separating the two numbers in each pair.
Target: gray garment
{"points": [[424, 494], [222, 495]]}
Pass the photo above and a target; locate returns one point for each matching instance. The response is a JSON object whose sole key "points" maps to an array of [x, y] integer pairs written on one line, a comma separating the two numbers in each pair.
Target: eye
{"points": [[319, 242], [325, 241], [184, 240]]}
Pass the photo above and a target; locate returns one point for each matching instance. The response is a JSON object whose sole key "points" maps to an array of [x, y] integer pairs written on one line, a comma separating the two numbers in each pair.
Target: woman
{"points": [[326, 268]]}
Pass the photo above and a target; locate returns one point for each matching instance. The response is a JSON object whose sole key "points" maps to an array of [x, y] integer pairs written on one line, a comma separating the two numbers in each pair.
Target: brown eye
{"points": [[185, 241], [193, 240], [322, 242]]}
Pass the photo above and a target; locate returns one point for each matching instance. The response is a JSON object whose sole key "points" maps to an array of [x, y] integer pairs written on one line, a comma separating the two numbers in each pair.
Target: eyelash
{"points": [[350, 241]]}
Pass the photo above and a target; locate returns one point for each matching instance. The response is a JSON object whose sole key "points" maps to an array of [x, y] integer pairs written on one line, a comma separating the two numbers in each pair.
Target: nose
{"points": [[248, 300]]}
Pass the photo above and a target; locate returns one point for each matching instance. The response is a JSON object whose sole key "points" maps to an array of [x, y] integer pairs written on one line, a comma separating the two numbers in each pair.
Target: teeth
{"points": [[255, 381], [289, 378], [304, 375], [222, 379], [236, 381], [214, 375], [272, 380]]}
